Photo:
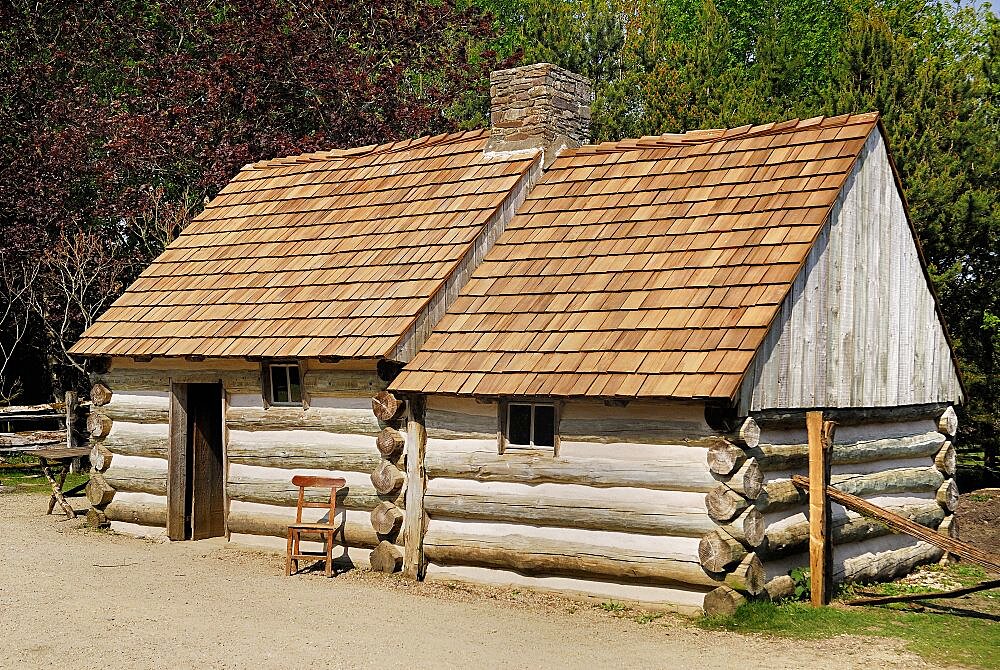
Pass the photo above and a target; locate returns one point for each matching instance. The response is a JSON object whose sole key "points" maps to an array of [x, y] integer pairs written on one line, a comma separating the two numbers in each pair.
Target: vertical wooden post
{"points": [[177, 467], [820, 548], [416, 484], [75, 464]]}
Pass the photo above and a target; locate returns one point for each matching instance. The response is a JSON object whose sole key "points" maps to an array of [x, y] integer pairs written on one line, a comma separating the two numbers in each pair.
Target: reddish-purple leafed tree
{"points": [[119, 117]]}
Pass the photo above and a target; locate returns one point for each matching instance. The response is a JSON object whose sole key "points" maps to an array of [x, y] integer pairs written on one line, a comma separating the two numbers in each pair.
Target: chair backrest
{"points": [[305, 482]]}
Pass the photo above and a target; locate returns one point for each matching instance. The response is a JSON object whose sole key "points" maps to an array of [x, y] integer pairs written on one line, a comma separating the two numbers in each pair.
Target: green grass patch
{"points": [[27, 477], [938, 637]]}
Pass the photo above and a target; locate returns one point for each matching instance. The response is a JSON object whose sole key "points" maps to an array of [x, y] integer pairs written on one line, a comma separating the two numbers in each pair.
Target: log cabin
{"points": [[542, 362]]}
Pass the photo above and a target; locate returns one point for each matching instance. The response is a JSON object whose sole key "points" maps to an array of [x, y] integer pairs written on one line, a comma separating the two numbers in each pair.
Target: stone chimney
{"points": [[538, 106]]}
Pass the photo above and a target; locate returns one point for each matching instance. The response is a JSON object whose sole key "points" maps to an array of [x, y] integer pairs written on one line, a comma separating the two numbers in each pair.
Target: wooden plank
{"points": [[985, 559], [820, 549], [177, 462], [988, 585], [416, 485]]}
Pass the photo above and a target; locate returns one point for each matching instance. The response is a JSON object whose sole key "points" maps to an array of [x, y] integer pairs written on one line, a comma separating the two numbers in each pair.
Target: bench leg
{"points": [[57, 495], [329, 553]]}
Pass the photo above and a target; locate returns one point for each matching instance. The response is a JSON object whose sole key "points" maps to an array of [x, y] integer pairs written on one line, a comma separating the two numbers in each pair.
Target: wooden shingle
{"points": [[644, 268]]}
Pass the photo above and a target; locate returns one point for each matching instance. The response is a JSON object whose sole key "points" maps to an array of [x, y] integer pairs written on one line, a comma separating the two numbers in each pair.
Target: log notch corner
{"points": [[99, 492], [728, 553], [387, 478]]}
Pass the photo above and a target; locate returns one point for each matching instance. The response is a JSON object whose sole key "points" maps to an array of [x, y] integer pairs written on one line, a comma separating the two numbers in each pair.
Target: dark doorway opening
{"points": [[196, 490]]}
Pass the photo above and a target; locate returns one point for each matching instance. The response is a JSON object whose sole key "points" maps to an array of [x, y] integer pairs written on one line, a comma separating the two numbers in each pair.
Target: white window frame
{"points": [[504, 442], [285, 367]]}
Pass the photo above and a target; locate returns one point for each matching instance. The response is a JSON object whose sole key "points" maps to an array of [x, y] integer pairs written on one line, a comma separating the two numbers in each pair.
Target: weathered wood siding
{"points": [[859, 327]]}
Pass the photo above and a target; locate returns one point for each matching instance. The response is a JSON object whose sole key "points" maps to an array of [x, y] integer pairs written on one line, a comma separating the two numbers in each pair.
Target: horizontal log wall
{"points": [[898, 465], [333, 435], [620, 512]]}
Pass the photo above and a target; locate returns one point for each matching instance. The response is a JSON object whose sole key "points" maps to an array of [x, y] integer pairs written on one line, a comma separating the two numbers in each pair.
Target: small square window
{"points": [[529, 426], [284, 384]]}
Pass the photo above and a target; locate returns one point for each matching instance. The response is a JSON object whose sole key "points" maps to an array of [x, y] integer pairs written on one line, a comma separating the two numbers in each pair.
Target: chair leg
{"points": [[329, 553], [288, 554]]}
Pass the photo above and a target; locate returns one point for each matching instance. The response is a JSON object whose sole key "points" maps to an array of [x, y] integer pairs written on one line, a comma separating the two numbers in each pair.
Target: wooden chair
{"points": [[326, 530]]}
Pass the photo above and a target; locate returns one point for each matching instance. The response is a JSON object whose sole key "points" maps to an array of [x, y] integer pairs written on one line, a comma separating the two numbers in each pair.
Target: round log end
{"points": [[98, 425], [390, 443], [387, 407], [749, 433], [717, 551], [100, 394], [724, 504], [387, 478], [386, 518], [722, 601], [386, 557], [97, 519], [753, 527], [100, 458], [947, 495], [725, 458], [780, 588], [753, 479], [949, 526], [948, 422], [946, 459], [749, 575], [99, 492]]}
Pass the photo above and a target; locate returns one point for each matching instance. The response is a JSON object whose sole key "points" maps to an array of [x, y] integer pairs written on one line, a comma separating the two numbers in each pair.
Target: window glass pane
{"points": [[279, 383], [295, 391], [519, 427], [545, 426]]}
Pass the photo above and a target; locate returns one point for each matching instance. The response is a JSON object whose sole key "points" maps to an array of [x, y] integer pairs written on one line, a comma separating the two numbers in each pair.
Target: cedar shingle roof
{"points": [[644, 268], [326, 254]]}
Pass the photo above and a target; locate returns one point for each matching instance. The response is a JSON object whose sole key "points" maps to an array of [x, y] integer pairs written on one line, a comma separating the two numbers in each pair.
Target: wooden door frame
{"points": [[177, 460], [177, 466]]}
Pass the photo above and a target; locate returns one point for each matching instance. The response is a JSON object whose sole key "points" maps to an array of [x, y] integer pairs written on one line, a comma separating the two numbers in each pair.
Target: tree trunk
{"points": [[948, 422], [387, 478], [748, 528], [723, 601], [782, 494], [99, 492], [387, 518], [536, 556], [386, 557], [281, 491], [97, 519], [945, 459], [947, 495], [390, 443], [387, 407], [653, 515], [100, 394], [844, 529], [144, 514], [775, 457], [98, 425], [724, 458], [724, 504], [717, 551], [100, 457], [351, 533], [664, 474]]}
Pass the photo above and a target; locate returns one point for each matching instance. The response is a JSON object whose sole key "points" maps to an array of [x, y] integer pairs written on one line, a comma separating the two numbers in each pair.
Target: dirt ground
{"points": [[979, 518], [73, 597]]}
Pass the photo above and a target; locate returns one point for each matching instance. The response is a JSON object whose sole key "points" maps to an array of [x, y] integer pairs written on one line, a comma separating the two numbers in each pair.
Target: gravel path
{"points": [[212, 605]]}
